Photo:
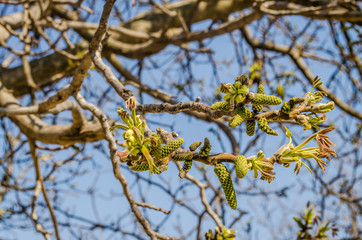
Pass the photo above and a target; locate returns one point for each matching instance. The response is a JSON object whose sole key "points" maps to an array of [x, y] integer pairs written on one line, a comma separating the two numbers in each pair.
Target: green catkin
{"points": [[140, 167], [223, 106], [226, 183], [171, 147], [258, 107], [156, 152], [263, 125], [241, 166], [240, 116], [195, 145], [183, 156], [206, 148], [288, 107], [265, 99], [187, 166], [248, 113], [250, 127], [204, 152], [261, 89]]}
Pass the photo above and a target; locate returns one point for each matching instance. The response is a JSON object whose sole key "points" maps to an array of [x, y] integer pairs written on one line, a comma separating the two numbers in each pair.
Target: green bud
{"points": [[195, 145], [225, 87], [237, 85], [227, 96], [304, 120], [226, 183], [318, 119], [241, 166], [183, 156], [120, 110], [243, 79], [127, 134], [205, 150], [243, 89], [323, 107], [239, 98]]}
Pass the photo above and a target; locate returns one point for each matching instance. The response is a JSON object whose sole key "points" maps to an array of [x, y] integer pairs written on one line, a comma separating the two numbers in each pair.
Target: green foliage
{"points": [[287, 154], [264, 166], [310, 221], [220, 234]]}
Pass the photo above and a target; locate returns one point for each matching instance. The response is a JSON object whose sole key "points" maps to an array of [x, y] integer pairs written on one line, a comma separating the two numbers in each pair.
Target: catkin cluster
{"points": [[237, 96]]}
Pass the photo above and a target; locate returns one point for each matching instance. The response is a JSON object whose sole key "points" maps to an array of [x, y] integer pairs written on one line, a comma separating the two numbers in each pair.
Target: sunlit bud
{"points": [[241, 166], [131, 103], [195, 145]]}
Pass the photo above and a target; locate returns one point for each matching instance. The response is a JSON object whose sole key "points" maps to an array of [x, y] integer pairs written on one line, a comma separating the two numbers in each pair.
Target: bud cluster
{"points": [[236, 96], [141, 149]]}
